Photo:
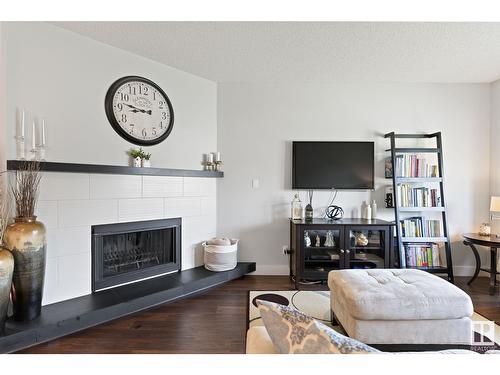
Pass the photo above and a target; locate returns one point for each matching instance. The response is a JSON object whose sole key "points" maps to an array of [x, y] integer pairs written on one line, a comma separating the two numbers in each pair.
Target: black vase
{"points": [[26, 241], [309, 212]]}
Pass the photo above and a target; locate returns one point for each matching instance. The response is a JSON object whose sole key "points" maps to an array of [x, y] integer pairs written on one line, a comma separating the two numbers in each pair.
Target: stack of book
{"points": [[409, 196], [420, 227], [408, 165], [418, 255]]}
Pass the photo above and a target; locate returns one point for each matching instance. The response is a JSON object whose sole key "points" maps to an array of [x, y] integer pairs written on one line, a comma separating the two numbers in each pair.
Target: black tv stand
{"points": [[358, 243]]}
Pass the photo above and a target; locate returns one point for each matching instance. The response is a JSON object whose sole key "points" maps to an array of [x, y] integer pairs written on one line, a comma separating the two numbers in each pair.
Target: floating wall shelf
{"points": [[46, 166]]}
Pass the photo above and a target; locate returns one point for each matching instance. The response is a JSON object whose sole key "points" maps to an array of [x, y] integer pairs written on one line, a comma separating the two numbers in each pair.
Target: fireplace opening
{"points": [[128, 252]]}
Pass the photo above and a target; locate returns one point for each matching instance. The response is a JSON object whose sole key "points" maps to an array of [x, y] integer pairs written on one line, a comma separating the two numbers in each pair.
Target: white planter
{"points": [[136, 162], [220, 258], [146, 163]]}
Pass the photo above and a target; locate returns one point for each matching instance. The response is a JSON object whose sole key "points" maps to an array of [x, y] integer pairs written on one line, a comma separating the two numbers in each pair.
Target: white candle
{"points": [[43, 133], [217, 156], [22, 124], [33, 139], [210, 158]]}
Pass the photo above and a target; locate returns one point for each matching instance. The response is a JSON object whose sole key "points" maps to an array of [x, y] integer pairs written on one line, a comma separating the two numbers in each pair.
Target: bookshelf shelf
{"points": [[420, 209], [416, 195], [416, 150], [424, 239], [402, 180]]}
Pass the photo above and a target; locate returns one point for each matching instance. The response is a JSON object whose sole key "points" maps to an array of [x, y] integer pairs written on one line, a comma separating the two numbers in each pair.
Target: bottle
{"points": [[309, 212], [368, 212], [374, 209], [296, 208]]}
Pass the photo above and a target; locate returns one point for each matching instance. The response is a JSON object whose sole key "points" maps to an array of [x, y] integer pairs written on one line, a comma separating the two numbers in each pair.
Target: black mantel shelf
{"points": [[49, 166]]}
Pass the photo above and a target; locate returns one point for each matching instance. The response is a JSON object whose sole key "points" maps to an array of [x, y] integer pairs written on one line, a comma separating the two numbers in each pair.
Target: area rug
{"points": [[317, 305]]}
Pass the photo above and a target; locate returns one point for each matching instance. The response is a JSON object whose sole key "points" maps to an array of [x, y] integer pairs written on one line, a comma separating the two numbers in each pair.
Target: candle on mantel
{"points": [[33, 139], [43, 133], [210, 158], [217, 156], [22, 124]]}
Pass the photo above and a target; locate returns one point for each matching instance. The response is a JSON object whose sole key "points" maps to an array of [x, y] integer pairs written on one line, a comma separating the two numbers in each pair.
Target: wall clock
{"points": [[139, 110]]}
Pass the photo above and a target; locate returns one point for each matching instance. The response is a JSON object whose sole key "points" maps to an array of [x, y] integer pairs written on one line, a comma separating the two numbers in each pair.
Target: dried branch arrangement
{"points": [[4, 214], [25, 190]]}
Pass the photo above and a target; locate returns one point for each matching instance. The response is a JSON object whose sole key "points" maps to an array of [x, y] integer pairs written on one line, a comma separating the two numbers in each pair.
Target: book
{"points": [[419, 226], [419, 255], [409, 196], [411, 165]]}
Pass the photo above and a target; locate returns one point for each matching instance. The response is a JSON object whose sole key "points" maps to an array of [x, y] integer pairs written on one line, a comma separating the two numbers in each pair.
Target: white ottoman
{"points": [[400, 306]]}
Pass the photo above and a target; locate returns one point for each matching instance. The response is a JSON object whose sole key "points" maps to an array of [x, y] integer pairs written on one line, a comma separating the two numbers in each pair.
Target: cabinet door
{"points": [[366, 247], [321, 250]]}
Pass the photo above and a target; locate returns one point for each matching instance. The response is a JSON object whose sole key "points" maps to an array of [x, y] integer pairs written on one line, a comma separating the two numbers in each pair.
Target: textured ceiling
{"points": [[311, 51]]}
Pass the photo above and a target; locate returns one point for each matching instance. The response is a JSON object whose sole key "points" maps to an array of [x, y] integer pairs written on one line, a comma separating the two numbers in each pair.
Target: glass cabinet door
{"points": [[366, 248], [321, 249]]}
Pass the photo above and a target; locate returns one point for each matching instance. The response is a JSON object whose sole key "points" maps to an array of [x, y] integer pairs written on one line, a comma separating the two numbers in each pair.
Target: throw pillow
{"points": [[293, 332]]}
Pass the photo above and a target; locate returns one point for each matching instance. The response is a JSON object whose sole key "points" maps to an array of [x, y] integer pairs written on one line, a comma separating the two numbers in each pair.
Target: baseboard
{"points": [[272, 269]]}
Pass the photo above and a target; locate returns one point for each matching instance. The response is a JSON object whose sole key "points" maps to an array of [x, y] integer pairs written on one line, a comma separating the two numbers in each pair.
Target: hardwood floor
{"points": [[212, 322]]}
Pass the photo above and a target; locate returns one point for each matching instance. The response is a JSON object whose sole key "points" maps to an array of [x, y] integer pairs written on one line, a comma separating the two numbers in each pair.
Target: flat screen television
{"points": [[333, 165]]}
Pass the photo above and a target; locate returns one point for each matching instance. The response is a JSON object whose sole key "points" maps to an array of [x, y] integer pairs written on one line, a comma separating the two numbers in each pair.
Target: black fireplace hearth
{"points": [[128, 252]]}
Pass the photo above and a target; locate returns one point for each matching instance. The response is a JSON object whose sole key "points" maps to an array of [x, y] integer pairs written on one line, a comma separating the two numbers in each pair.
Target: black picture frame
{"points": [[108, 105]]}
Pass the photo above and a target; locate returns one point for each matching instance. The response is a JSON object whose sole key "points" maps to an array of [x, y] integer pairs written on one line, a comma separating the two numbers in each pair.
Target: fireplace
{"points": [[128, 252]]}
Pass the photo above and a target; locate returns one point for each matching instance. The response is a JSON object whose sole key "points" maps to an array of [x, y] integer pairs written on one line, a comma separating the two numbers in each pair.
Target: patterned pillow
{"points": [[295, 333]]}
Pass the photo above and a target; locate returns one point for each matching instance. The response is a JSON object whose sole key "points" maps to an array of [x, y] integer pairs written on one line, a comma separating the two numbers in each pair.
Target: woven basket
{"points": [[220, 258]]}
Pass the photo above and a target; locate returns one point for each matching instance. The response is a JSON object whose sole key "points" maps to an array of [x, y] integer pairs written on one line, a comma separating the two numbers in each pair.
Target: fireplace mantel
{"points": [[48, 166]]}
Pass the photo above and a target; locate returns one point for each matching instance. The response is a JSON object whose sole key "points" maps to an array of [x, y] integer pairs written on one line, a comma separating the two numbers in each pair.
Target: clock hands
{"points": [[135, 109]]}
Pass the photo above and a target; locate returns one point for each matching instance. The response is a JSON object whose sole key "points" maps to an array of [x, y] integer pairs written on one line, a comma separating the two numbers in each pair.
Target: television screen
{"points": [[333, 165]]}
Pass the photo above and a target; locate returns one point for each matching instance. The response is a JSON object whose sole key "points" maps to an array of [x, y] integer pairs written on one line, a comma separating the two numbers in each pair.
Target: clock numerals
{"points": [[144, 133], [124, 118], [131, 128], [124, 97]]}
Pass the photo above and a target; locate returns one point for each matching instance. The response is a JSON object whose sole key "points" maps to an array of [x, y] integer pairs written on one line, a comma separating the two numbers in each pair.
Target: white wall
{"points": [[63, 77], [3, 115], [257, 122], [495, 139]]}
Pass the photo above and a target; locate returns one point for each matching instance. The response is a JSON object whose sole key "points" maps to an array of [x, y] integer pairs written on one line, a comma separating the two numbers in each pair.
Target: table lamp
{"points": [[495, 213]]}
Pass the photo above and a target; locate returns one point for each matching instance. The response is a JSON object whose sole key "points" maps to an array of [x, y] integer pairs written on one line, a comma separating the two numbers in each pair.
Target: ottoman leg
{"points": [[333, 319]]}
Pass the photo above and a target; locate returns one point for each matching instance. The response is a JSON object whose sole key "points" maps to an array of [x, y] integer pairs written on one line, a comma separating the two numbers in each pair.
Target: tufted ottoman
{"points": [[400, 306]]}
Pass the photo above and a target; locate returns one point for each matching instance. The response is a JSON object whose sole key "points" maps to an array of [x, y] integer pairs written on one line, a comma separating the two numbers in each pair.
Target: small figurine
{"points": [[318, 241], [361, 239], [307, 239], [329, 242]]}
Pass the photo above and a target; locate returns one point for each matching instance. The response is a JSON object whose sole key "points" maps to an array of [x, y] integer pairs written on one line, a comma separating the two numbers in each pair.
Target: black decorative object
{"points": [[334, 212], [139, 110], [309, 212]]}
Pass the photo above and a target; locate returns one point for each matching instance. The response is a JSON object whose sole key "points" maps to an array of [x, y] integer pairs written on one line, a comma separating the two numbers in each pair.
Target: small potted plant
{"points": [[136, 156], [146, 163]]}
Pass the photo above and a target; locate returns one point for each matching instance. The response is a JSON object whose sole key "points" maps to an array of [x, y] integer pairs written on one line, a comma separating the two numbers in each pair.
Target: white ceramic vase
{"points": [[146, 163], [136, 162]]}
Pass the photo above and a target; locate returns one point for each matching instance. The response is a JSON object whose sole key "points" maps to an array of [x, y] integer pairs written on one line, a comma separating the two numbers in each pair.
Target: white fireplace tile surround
{"points": [[71, 202]]}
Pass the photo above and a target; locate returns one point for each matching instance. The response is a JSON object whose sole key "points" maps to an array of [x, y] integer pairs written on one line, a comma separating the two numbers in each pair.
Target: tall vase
{"points": [[6, 269], [25, 238]]}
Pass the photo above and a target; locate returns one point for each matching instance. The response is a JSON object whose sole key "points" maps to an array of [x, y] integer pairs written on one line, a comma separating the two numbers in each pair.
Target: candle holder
{"points": [[209, 166], [42, 152], [21, 148], [34, 153], [217, 165]]}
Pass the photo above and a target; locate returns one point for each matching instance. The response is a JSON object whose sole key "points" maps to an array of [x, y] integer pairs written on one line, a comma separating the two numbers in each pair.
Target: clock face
{"points": [[139, 110]]}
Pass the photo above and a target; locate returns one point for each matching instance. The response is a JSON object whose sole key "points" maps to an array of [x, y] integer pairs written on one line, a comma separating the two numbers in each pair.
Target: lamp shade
{"points": [[495, 204]]}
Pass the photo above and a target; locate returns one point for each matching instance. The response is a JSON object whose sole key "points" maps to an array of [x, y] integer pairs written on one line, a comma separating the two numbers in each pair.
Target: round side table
{"points": [[493, 242]]}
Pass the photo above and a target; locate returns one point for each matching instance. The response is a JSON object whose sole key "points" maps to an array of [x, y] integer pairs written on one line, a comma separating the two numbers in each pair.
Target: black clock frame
{"points": [[108, 105]]}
